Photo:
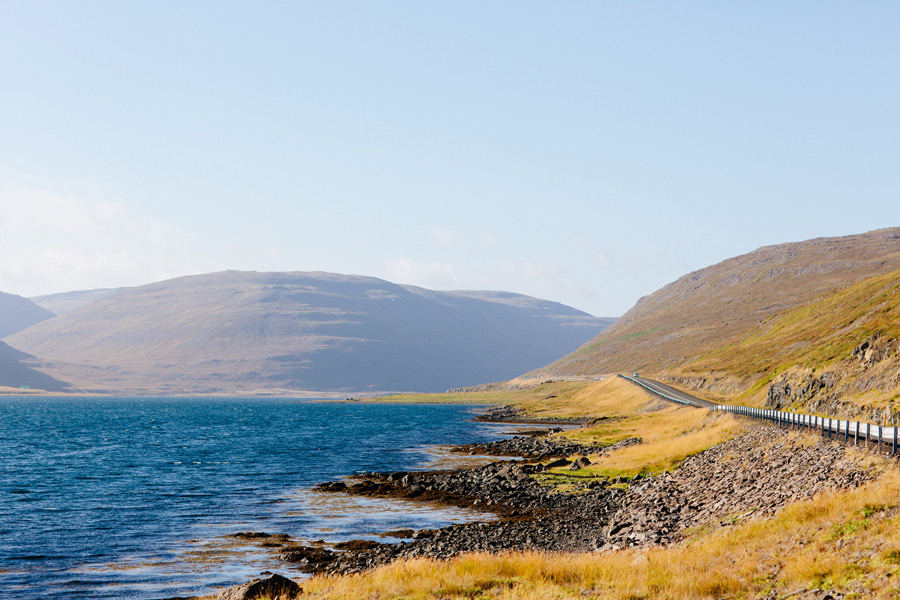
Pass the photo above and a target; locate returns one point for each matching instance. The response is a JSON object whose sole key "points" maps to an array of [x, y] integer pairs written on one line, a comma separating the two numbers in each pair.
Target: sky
{"points": [[582, 152]]}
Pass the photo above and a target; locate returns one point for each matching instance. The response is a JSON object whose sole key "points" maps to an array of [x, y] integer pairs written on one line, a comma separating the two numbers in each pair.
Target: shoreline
{"points": [[593, 513], [513, 452]]}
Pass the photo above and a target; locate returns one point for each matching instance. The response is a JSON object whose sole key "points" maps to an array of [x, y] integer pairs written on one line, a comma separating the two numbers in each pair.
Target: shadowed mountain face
{"points": [[16, 371], [719, 305], [248, 332], [17, 313]]}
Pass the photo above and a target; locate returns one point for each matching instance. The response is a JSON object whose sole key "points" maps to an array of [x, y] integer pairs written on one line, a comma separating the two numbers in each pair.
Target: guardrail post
{"points": [[846, 432], [868, 433], [894, 446], [880, 445], [856, 435]]}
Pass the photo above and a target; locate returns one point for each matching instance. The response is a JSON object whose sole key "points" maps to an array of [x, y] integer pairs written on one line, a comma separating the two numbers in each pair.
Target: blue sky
{"points": [[584, 152]]}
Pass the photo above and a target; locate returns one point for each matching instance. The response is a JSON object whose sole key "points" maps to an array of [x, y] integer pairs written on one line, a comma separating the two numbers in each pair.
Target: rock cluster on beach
{"points": [[536, 446], [510, 414], [752, 475]]}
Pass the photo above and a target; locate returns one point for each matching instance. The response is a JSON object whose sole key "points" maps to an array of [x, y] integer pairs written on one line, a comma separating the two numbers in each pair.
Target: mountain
{"points": [[245, 332], [838, 354], [17, 313], [17, 370], [65, 302], [719, 305]]}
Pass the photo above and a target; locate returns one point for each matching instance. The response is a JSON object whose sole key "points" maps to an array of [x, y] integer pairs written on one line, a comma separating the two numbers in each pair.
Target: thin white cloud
{"points": [[433, 275], [53, 242]]}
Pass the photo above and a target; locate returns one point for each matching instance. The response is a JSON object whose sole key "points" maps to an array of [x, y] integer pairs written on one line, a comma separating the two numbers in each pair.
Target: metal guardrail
{"points": [[656, 392], [828, 426]]}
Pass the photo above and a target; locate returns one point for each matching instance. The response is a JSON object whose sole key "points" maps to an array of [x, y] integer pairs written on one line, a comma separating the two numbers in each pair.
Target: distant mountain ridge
{"points": [[248, 332], [18, 313], [65, 302]]}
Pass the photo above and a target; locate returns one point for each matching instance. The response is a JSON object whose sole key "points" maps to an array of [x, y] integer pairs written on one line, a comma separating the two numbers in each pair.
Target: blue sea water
{"points": [[137, 498]]}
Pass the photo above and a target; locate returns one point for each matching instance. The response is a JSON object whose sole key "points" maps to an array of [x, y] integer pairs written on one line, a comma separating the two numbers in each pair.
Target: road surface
{"points": [[668, 392]]}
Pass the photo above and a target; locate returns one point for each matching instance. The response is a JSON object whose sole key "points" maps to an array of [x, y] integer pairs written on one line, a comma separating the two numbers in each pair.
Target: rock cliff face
{"points": [[240, 332]]}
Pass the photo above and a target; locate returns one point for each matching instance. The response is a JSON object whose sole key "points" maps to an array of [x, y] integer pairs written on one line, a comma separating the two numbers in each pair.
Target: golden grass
{"points": [[531, 398], [658, 453], [670, 432], [846, 540]]}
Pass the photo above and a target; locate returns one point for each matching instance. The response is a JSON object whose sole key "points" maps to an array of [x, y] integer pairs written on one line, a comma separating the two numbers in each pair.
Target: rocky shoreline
{"points": [[751, 476], [748, 477]]}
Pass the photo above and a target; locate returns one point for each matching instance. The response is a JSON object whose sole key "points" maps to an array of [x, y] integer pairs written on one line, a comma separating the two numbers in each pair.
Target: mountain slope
{"points": [[16, 371], [17, 313], [720, 304], [65, 302], [838, 354], [247, 332]]}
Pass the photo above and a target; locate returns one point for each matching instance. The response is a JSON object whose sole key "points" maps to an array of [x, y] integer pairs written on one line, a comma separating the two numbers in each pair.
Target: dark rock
{"points": [[275, 587], [580, 463], [357, 545], [398, 533]]}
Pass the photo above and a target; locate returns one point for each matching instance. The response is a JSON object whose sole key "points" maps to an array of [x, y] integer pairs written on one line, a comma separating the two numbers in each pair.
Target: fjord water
{"points": [[137, 498]]}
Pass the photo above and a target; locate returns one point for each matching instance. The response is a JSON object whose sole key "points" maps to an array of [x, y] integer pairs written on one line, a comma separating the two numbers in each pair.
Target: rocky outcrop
{"points": [[823, 393], [275, 587], [782, 394]]}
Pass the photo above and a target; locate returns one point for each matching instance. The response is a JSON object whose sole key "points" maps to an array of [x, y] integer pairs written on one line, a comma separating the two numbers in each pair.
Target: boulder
{"points": [[275, 587], [580, 463]]}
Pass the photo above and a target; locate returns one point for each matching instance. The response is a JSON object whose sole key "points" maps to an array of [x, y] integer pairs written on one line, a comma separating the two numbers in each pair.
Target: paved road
{"points": [[665, 390]]}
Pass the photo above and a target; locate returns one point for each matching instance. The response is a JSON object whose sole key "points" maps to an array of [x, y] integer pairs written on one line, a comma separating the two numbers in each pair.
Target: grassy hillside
{"points": [[245, 332], [724, 303], [842, 347]]}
